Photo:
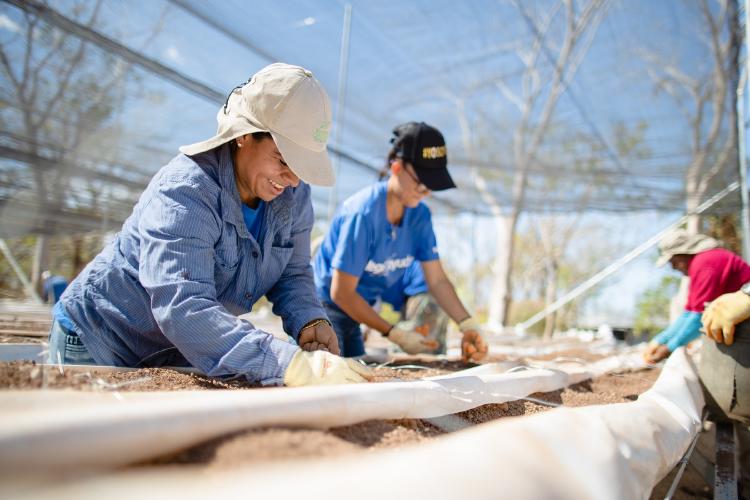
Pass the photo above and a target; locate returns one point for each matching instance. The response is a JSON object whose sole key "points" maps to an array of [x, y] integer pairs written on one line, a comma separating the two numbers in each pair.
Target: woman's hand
{"points": [[412, 342], [655, 352], [319, 336], [323, 368], [723, 314], [473, 345]]}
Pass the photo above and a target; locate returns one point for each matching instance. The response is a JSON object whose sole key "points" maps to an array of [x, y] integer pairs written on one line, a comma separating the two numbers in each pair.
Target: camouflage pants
{"points": [[423, 314], [725, 376]]}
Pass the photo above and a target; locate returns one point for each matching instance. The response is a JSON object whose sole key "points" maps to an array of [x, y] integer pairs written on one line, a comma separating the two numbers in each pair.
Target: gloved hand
{"points": [[412, 342], [655, 352], [473, 344], [723, 314], [319, 336], [324, 368]]}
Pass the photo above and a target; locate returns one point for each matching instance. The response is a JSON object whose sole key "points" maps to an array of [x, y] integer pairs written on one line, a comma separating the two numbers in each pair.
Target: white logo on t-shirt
{"points": [[390, 265]]}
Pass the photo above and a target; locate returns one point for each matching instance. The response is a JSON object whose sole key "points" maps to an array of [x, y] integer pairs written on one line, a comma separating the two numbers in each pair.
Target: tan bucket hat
{"points": [[291, 104], [679, 242]]}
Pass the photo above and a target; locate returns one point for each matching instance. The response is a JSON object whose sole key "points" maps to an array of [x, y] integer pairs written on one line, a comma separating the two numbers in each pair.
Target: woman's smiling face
{"points": [[260, 171]]}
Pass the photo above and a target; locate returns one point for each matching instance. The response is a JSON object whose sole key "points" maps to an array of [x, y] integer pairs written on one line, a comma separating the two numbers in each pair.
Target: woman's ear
{"points": [[396, 165], [241, 140]]}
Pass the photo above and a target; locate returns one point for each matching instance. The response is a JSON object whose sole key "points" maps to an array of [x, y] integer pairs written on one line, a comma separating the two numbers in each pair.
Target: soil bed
{"points": [[266, 445]]}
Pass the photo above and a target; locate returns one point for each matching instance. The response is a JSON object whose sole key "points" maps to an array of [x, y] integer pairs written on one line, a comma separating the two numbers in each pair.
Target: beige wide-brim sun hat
{"points": [[680, 242], [288, 102]]}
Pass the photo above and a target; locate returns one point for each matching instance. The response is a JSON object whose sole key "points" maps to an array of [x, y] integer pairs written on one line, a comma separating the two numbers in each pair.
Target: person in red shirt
{"points": [[713, 271]]}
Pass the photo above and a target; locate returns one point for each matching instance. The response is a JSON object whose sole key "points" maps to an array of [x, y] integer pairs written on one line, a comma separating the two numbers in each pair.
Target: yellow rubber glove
{"points": [[324, 368], [412, 342], [473, 344], [723, 313]]}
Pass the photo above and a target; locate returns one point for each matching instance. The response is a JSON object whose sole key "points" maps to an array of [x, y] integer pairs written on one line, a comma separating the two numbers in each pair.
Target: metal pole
{"points": [[742, 126], [5, 249], [741, 133], [615, 266], [340, 104]]}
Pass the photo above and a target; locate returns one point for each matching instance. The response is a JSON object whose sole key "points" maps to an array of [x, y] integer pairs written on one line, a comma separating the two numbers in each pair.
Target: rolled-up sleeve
{"points": [[293, 295], [178, 229]]}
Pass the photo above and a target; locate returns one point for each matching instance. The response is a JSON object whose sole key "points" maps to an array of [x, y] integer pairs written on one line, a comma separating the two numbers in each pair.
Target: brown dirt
{"points": [[282, 444], [269, 444], [28, 375]]}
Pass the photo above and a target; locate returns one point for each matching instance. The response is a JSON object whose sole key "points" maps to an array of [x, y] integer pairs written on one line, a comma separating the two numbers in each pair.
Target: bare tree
{"points": [[706, 100], [59, 95], [548, 67]]}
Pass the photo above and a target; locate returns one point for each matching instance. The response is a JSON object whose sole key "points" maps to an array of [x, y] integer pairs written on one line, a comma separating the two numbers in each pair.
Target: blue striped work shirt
{"points": [[169, 287]]}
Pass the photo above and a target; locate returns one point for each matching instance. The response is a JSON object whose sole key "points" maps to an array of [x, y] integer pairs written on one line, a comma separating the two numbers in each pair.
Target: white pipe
{"points": [[606, 451], [86, 431]]}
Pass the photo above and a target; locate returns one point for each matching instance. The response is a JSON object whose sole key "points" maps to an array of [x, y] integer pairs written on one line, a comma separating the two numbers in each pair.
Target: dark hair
{"points": [[257, 136]]}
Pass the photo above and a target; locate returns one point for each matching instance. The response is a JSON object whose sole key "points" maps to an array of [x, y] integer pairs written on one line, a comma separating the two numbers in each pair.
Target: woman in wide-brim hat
{"points": [[223, 224], [712, 270], [379, 233]]}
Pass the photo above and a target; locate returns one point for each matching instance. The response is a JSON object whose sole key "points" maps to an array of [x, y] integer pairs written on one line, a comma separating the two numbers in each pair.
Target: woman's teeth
{"points": [[276, 184]]}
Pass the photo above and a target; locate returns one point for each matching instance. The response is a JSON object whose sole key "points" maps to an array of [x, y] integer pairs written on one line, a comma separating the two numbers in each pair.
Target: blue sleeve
{"points": [[178, 230], [293, 296], [685, 329], [352, 248], [427, 243], [689, 330]]}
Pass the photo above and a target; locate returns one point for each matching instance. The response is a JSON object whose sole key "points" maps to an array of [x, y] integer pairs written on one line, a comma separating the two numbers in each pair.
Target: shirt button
{"points": [[255, 254], [248, 295]]}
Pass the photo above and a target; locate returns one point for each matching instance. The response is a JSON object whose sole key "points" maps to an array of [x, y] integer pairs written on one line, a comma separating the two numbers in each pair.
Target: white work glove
{"points": [[412, 342], [324, 368], [723, 314], [473, 344]]}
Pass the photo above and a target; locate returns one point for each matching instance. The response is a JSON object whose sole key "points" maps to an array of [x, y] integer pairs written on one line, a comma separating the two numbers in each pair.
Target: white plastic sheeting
{"points": [[98, 430], [608, 451]]}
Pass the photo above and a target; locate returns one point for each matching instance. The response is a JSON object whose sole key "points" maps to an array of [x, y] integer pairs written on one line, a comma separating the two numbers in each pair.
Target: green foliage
{"points": [[521, 310], [652, 309]]}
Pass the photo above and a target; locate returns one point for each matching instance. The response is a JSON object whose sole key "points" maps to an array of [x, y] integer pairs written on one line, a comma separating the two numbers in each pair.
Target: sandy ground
{"points": [[281, 444], [278, 444]]}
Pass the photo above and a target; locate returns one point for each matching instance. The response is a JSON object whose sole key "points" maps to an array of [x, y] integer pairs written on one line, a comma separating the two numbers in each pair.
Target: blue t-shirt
{"points": [[254, 218], [363, 243], [411, 283]]}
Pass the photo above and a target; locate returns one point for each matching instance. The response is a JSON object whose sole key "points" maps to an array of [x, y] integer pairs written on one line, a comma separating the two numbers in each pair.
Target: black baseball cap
{"points": [[424, 147]]}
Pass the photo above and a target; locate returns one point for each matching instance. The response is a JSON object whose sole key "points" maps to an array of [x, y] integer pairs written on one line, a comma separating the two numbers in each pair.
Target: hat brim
{"points": [[313, 167], [663, 259], [219, 139], [435, 179]]}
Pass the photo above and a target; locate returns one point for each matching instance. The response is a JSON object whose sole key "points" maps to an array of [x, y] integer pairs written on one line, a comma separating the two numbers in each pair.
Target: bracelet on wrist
{"points": [[388, 332], [316, 322]]}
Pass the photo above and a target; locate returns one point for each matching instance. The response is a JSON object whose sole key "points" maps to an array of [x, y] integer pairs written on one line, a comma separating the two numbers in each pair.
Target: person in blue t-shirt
{"points": [[377, 234]]}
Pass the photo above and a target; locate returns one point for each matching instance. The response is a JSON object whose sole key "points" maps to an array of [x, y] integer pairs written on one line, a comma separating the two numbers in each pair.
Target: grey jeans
{"points": [[65, 347]]}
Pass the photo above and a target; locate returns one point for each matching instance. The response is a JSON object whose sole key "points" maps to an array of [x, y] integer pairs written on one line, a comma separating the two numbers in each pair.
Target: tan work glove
{"points": [[723, 313], [473, 345], [319, 335], [324, 368], [412, 342], [655, 352]]}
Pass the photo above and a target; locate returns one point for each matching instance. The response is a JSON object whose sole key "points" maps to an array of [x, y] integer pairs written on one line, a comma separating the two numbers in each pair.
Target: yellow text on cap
{"points": [[433, 152]]}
